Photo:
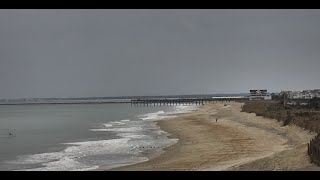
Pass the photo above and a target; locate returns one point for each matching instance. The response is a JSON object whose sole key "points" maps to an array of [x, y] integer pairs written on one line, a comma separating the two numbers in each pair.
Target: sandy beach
{"points": [[237, 141]]}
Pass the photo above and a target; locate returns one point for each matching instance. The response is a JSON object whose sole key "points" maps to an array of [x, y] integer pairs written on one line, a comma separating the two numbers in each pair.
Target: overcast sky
{"points": [[79, 53]]}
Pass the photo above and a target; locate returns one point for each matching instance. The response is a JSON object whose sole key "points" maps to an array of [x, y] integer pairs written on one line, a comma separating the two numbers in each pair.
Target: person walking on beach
{"points": [[216, 119]]}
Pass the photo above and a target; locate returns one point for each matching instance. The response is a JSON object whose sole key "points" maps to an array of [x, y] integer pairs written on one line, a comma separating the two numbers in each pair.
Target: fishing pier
{"points": [[183, 101]]}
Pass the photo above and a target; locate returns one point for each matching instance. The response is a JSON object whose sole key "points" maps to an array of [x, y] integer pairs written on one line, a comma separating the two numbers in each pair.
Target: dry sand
{"points": [[238, 141]]}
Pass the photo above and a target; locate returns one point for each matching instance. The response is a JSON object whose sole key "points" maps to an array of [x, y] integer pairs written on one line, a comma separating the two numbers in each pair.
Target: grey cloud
{"points": [[75, 53]]}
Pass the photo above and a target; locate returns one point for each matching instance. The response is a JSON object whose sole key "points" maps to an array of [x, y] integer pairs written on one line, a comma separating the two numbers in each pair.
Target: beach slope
{"points": [[237, 141]]}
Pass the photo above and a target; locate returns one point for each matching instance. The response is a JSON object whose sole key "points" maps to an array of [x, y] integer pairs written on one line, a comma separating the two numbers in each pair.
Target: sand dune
{"points": [[238, 141]]}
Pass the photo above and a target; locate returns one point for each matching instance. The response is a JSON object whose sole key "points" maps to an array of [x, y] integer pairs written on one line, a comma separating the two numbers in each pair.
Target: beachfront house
{"points": [[305, 94], [259, 94]]}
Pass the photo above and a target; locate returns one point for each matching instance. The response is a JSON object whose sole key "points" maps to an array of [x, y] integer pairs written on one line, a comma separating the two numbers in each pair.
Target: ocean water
{"points": [[81, 137]]}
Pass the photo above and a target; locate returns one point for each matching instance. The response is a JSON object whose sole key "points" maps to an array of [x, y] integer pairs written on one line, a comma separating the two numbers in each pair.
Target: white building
{"points": [[259, 94], [305, 94]]}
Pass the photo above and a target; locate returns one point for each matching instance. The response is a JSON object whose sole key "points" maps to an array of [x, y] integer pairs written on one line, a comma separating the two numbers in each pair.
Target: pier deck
{"points": [[184, 101]]}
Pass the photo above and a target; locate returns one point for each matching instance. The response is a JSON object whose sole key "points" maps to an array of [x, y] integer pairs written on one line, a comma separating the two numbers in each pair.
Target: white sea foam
{"points": [[67, 159], [107, 125], [125, 129], [64, 164], [70, 159], [153, 116], [131, 135], [98, 129], [135, 137], [171, 114], [117, 122]]}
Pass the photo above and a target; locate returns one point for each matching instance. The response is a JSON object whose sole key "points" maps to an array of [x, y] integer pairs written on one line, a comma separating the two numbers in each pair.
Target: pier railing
{"points": [[172, 102]]}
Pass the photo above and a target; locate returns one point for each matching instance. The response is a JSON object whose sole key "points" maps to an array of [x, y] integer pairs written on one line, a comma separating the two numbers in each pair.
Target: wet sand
{"points": [[238, 141]]}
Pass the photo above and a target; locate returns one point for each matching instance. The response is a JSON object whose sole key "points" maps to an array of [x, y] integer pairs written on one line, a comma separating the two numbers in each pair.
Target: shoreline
{"points": [[152, 154], [238, 141]]}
